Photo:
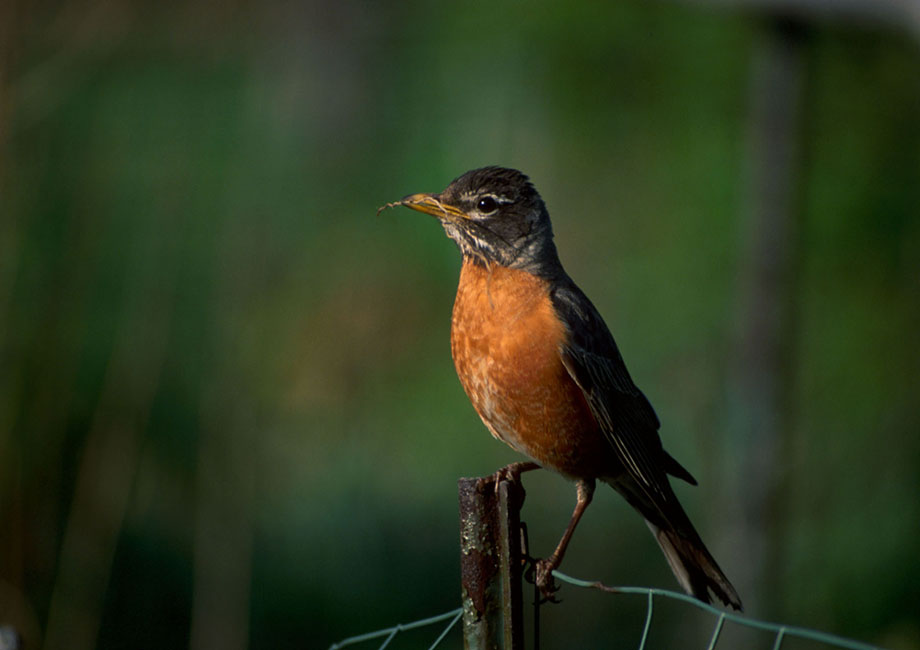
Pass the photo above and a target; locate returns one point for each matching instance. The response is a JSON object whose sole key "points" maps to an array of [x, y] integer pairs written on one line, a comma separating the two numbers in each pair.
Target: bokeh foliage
{"points": [[226, 399]]}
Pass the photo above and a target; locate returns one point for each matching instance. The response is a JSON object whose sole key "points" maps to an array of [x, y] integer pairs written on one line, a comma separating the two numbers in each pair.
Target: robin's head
{"points": [[495, 215]]}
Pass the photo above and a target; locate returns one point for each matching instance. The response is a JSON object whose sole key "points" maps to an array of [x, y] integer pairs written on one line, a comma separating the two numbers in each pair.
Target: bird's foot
{"points": [[511, 473], [542, 577]]}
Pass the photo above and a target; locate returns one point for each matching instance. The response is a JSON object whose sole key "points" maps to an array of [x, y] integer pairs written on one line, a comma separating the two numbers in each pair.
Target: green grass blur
{"points": [[226, 386]]}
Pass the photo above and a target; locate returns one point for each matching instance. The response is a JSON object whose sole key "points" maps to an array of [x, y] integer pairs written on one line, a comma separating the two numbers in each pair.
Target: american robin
{"points": [[545, 375]]}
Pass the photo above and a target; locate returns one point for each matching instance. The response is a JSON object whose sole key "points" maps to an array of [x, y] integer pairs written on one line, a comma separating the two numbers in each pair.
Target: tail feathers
{"points": [[694, 568], [672, 467]]}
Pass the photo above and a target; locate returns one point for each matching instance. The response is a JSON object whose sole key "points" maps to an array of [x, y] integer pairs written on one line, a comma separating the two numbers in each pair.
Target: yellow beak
{"points": [[429, 204]]}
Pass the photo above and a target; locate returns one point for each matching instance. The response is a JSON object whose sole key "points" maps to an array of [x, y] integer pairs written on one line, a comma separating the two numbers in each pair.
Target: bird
{"points": [[545, 375]]}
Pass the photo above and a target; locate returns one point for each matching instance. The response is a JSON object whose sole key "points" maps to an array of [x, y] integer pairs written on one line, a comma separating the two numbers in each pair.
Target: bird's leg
{"points": [[545, 567]]}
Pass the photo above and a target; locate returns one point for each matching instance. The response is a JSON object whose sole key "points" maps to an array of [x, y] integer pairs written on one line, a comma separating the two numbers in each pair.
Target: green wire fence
{"points": [[779, 630], [453, 616], [493, 552]]}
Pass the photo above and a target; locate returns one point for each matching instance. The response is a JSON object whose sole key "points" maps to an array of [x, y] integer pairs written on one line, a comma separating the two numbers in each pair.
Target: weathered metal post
{"points": [[490, 564]]}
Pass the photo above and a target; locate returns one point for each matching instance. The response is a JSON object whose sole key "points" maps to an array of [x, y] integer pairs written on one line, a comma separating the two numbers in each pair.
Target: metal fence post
{"points": [[490, 564]]}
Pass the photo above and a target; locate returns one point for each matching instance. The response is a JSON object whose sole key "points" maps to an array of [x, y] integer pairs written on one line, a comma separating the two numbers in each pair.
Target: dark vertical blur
{"points": [[228, 415], [761, 375]]}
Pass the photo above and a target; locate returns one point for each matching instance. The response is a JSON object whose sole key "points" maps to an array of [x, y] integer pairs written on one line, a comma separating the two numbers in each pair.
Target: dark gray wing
{"points": [[624, 414]]}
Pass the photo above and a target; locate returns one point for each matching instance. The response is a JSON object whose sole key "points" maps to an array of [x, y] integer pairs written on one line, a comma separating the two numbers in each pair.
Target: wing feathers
{"points": [[630, 424], [624, 414]]}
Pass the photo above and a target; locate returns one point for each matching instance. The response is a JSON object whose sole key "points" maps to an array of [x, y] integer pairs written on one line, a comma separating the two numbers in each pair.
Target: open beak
{"points": [[429, 204]]}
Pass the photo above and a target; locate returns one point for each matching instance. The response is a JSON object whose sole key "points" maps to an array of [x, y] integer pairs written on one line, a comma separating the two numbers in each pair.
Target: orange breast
{"points": [[505, 340]]}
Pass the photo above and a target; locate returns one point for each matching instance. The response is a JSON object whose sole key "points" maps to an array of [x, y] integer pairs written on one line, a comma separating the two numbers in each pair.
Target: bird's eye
{"points": [[487, 204]]}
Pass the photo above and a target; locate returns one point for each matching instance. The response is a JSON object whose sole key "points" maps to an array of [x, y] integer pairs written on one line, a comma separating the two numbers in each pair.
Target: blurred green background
{"points": [[228, 415]]}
